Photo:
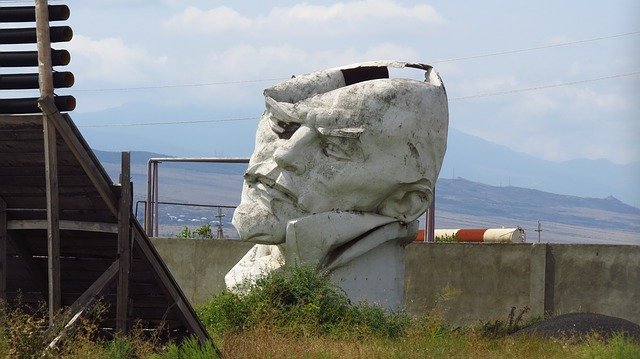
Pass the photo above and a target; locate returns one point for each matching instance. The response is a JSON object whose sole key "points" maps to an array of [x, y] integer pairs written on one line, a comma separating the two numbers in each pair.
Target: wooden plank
{"points": [[34, 190], [186, 312], [33, 158], [35, 170], [124, 243], [36, 272], [101, 184], [66, 203], [20, 120], [3, 250], [86, 299], [13, 135], [64, 225], [80, 215], [31, 180], [98, 287], [53, 218]]}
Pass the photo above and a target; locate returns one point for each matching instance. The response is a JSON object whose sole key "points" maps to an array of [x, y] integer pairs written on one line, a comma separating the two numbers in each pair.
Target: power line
{"points": [[218, 83], [171, 122], [498, 93], [542, 87], [180, 86], [506, 52]]}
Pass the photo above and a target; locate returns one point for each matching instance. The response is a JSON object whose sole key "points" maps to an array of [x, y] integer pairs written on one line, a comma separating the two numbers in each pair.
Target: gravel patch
{"points": [[580, 325]]}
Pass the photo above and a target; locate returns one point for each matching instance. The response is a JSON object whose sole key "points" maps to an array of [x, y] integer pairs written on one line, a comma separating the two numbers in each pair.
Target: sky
{"points": [[558, 80]]}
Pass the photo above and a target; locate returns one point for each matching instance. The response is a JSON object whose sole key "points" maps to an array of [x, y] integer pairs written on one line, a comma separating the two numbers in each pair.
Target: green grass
{"points": [[297, 313]]}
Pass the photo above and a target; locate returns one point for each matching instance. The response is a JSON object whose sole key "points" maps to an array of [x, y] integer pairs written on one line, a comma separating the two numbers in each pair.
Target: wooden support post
{"points": [[53, 219], [124, 243], [45, 77], [45, 69], [3, 250], [66, 132]]}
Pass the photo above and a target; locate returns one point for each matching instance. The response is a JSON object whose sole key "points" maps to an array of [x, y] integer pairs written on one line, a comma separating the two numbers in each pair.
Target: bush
{"points": [[299, 300], [203, 232]]}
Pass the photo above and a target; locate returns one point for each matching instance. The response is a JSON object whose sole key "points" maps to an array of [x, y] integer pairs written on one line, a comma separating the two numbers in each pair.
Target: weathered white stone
{"points": [[258, 262], [340, 155]]}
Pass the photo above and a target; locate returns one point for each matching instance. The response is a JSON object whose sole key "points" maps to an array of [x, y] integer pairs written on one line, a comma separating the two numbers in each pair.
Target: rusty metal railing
{"points": [[151, 208]]}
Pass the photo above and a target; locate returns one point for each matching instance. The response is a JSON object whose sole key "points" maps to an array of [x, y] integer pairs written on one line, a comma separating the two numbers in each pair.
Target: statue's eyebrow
{"points": [[281, 111], [347, 132]]}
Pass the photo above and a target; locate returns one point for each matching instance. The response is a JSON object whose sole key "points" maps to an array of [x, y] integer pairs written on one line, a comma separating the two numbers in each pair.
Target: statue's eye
{"points": [[342, 149], [288, 129]]}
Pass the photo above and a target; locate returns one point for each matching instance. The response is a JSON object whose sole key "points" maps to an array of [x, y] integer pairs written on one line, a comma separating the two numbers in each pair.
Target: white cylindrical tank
{"points": [[488, 235], [504, 235]]}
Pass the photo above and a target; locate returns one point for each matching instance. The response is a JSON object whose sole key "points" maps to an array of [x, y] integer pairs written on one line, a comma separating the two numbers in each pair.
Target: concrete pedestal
{"points": [[377, 277]]}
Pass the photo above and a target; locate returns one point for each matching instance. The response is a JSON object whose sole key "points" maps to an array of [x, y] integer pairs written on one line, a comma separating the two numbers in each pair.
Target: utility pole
{"points": [[219, 216], [539, 230], [45, 78]]}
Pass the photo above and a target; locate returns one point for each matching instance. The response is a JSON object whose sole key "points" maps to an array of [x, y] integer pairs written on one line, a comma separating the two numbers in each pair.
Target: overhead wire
{"points": [[489, 94], [560, 44], [542, 87], [498, 53]]}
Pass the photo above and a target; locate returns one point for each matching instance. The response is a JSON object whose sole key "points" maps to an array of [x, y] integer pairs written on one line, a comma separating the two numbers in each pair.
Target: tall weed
{"points": [[299, 300]]}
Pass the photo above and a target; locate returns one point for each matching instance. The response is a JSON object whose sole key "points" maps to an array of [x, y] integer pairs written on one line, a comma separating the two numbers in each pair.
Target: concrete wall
{"points": [[467, 283], [199, 266], [463, 282]]}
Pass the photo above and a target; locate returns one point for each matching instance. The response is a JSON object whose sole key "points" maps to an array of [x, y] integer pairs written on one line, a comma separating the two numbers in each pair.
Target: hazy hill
{"points": [[467, 156], [459, 203], [485, 162]]}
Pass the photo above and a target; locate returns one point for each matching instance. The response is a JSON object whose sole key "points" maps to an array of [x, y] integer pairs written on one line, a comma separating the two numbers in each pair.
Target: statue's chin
{"points": [[263, 238], [255, 225]]}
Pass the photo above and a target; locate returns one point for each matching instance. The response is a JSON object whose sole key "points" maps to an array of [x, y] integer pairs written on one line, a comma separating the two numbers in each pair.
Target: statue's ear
{"points": [[407, 203]]}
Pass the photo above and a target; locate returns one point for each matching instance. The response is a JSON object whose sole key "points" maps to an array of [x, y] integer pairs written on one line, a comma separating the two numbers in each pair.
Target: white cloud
{"points": [[216, 20], [295, 19], [110, 60], [585, 98], [354, 11], [480, 86]]}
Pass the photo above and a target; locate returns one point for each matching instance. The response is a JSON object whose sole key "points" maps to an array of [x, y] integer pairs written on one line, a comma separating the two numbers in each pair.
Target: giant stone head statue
{"points": [[344, 139]]}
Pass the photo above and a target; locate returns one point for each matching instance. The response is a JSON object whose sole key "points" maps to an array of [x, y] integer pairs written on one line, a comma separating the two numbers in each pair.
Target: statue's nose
{"points": [[295, 153]]}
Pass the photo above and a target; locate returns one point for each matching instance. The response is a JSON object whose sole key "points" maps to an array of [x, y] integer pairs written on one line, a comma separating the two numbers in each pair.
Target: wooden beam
{"points": [[124, 244], [185, 311], [86, 299], [3, 250], [53, 218], [36, 272], [45, 73], [97, 288], [20, 119], [101, 184], [100, 227]]}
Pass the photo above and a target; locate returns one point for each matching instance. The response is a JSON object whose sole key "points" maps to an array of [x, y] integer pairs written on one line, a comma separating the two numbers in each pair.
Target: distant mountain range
{"points": [[467, 156], [460, 203], [485, 162]]}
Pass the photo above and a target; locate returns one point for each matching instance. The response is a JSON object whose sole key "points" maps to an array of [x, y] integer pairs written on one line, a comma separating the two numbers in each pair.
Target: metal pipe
{"points": [[28, 13], [29, 36], [30, 81], [147, 208], [30, 58], [151, 219], [14, 106], [431, 219], [201, 159], [155, 198]]}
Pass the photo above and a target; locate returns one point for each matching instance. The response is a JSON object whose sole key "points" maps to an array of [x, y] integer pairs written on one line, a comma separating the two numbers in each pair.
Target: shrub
{"points": [[203, 232], [299, 300]]}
